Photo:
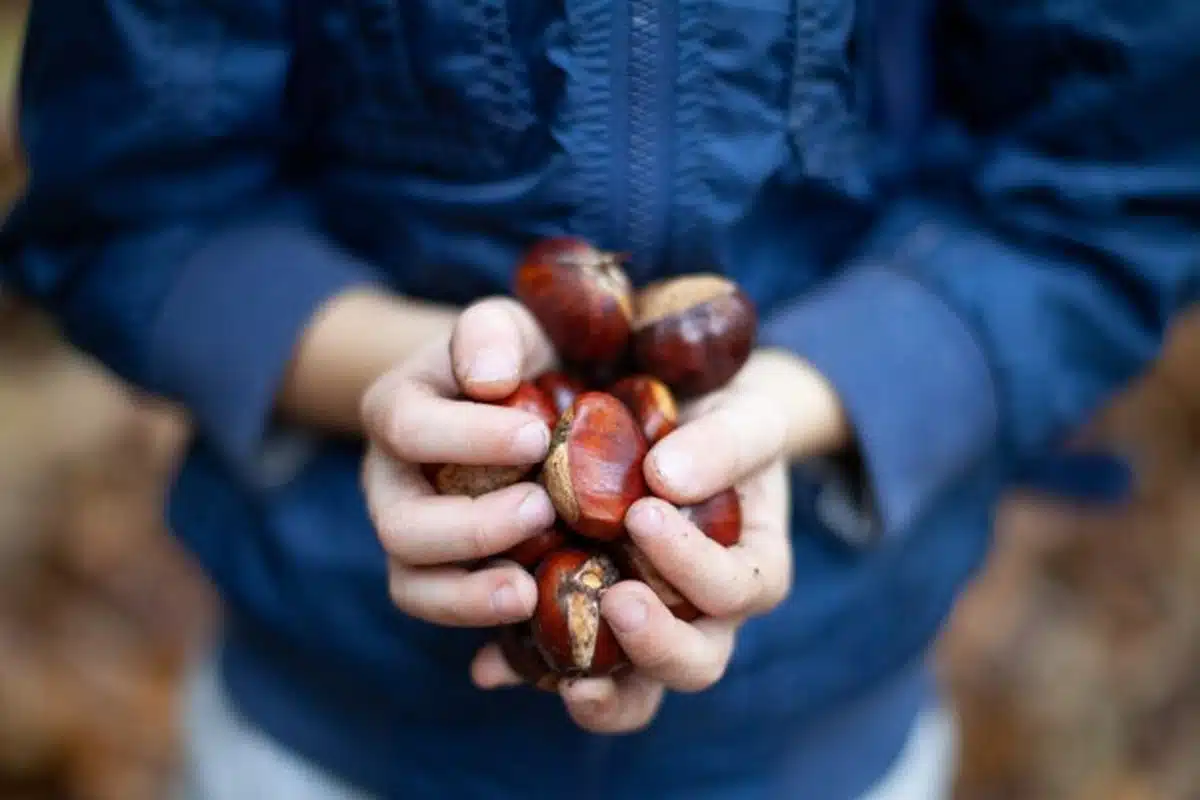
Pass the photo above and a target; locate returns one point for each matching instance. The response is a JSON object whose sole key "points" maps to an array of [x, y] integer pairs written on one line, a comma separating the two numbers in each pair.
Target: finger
{"points": [[495, 344], [427, 529], [454, 597], [684, 657], [491, 670], [388, 483], [446, 529], [747, 579], [423, 368], [739, 436], [601, 705], [422, 427], [766, 534]]}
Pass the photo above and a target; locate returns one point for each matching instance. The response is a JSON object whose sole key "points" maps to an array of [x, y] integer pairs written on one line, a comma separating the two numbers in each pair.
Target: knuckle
{"points": [[774, 586], [654, 647], [459, 614], [372, 408], [380, 404], [707, 673], [640, 720], [775, 592], [746, 593], [655, 656], [400, 426], [392, 523], [391, 538], [730, 418], [398, 591], [479, 539], [768, 416], [734, 599]]}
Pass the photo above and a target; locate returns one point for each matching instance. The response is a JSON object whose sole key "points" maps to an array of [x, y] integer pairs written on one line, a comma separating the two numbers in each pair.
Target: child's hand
{"points": [[740, 437], [415, 415]]}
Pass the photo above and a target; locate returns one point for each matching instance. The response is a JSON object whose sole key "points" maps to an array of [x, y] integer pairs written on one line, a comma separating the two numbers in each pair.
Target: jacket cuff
{"points": [[230, 324], [915, 385]]}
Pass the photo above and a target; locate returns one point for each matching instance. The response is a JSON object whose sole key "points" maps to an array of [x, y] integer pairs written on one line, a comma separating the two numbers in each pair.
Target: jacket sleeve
{"points": [[987, 322], [159, 225]]}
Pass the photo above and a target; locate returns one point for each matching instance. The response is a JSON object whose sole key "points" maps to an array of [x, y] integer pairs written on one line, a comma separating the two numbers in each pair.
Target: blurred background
{"points": [[1074, 659]]}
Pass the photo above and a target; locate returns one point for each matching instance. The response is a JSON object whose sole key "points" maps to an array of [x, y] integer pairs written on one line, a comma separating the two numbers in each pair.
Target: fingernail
{"points": [[492, 365], [626, 614], [647, 519], [532, 441], [535, 509], [673, 467], [507, 602]]}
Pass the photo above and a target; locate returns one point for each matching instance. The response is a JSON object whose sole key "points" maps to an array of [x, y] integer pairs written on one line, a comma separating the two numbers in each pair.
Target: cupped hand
{"points": [[425, 411], [738, 437]]}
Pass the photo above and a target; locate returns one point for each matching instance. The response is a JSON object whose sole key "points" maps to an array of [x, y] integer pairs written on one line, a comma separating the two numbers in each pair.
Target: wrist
{"points": [[816, 420], [355, 338]]}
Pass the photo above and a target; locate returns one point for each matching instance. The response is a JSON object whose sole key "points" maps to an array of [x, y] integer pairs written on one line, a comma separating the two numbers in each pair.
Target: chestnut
{"points": [[567, 626], [561, 388], [719, 518], [651, 402], [531, 551], [693, 332], [581, 297], [522, 654], [473, 479], [593, 470]]}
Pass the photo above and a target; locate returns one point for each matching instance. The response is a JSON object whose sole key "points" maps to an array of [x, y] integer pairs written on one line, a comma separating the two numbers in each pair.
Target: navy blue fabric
{"points": [[975, 217], [905, 334]]}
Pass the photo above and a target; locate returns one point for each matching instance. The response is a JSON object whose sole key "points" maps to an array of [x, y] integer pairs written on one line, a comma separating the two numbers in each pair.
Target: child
{"points": [[963, 228]]}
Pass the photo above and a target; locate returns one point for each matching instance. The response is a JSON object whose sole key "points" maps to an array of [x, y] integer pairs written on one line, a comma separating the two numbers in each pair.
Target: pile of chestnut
{"points": [[627, 356]]}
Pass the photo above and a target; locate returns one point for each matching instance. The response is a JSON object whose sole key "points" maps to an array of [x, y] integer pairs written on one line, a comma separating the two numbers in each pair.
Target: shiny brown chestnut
{"points": [[719, 518], [530, 552], [521, 651], [581, 297], [693, 332], [651, 402], [561, 388], [568, 629], [593, 471], [473, 480]]}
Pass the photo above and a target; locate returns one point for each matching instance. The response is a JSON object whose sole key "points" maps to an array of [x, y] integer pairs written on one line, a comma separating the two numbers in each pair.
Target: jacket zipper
{"points": [[644, 66], [643, 105]]}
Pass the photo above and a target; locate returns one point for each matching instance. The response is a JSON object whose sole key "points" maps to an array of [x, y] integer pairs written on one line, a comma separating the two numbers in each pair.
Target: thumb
{"points": [[496, 343]]}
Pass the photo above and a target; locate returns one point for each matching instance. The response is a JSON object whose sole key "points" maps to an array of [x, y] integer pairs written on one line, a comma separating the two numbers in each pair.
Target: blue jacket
{"points": [[975, 218]]}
